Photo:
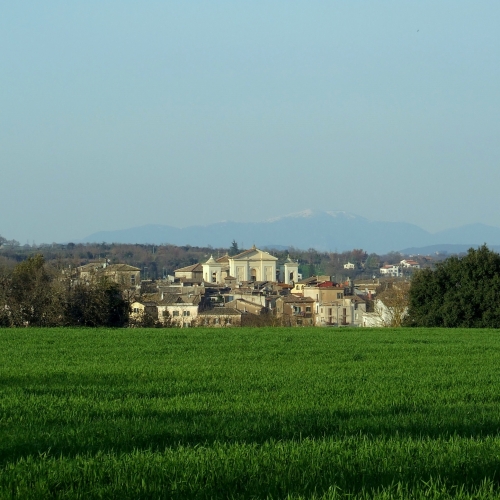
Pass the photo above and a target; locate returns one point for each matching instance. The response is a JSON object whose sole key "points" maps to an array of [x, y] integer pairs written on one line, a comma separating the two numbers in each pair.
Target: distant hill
{"points": [[324, 231], [445, 249]]}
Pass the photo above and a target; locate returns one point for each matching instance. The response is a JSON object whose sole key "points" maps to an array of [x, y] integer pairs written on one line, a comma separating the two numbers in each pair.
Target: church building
{"points": [[250, 265]]}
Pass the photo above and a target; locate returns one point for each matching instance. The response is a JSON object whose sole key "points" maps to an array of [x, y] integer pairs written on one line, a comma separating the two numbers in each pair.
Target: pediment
{"points": [[253, 254]]}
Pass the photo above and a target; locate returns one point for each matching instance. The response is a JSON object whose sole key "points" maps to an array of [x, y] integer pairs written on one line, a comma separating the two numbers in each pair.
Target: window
{"points": [[136, 309], [308, 309], [339, 295], [216, 321], [240, 273], [132, 279], [186, 313], [175, 313]]}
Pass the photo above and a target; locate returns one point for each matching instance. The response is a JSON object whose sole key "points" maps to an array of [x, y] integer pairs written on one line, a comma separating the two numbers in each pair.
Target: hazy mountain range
{"points": [[324, 231]]}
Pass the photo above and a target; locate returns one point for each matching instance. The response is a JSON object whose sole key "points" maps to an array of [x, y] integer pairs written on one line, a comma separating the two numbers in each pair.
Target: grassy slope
{"points": [[248, 412]]}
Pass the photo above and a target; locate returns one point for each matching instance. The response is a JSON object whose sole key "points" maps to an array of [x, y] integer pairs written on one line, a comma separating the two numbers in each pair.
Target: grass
{"points": [[249, 413]]}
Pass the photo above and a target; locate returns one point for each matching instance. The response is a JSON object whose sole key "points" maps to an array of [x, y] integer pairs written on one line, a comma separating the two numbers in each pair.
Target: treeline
{"points": [[157, 261], [34, 293]]}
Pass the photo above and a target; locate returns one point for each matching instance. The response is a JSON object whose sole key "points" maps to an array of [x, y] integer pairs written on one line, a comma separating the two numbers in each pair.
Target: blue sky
{"points": [[115, 114]]}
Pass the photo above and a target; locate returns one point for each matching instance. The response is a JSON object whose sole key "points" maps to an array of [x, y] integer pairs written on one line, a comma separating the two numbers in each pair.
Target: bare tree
{"points": [[34, 297], [391, 304]]}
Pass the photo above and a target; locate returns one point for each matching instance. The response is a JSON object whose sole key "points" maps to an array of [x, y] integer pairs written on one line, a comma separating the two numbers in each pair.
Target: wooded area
{"points": [[157, 261]]}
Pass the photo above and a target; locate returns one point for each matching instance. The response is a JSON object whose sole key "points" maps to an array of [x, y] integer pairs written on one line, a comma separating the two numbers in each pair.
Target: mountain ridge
{"points": [[322, 230]]}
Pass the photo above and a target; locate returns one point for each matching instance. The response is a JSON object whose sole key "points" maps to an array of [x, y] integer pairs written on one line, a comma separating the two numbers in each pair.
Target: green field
{"points": [[249, 413]]}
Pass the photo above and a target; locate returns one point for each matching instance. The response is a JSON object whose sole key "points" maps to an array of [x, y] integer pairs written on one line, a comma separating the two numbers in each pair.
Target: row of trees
{"points": [[36, 294], [155, 261]]}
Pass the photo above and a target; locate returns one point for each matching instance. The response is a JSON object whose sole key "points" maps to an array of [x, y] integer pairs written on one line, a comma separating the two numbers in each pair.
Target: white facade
{"points": [[250, 265], [212, 271], [181, 314], [410, 263], [289, 272], [383, 316], [390, 270], [253, 265], [349, 265]]}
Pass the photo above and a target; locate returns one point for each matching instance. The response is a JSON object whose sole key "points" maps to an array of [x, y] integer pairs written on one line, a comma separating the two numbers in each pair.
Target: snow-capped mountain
{"points": [[322, 230]]}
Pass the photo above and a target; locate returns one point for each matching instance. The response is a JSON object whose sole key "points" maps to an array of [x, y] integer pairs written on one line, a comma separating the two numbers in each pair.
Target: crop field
{"points": [[249, 413]]}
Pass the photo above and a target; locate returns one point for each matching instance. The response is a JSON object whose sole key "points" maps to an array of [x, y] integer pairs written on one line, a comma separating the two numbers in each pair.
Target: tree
{"points": [[391, 304], [234, 250], [5, 314], [462, 292], [311, 270], [99, 303], [33, 296], [372, 262]]}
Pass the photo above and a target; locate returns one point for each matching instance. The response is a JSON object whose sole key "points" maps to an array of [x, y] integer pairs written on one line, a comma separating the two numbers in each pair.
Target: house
{"points": [[143, 310], [298, 289], [366, 288], [219, 317], [383, 316], [88, 272], [332, 313], [390, 270], [413, 264], [326, 291], [122, 274], [349, 265], [180, 310], [390, 307], [346, 311], [294, 310], [312, 281], [246, 306], [192, 273], [248, 294], [358, 310]]}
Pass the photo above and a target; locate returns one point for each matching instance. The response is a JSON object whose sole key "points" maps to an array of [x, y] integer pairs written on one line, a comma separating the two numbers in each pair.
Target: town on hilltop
{"points": [[253, 287]]}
